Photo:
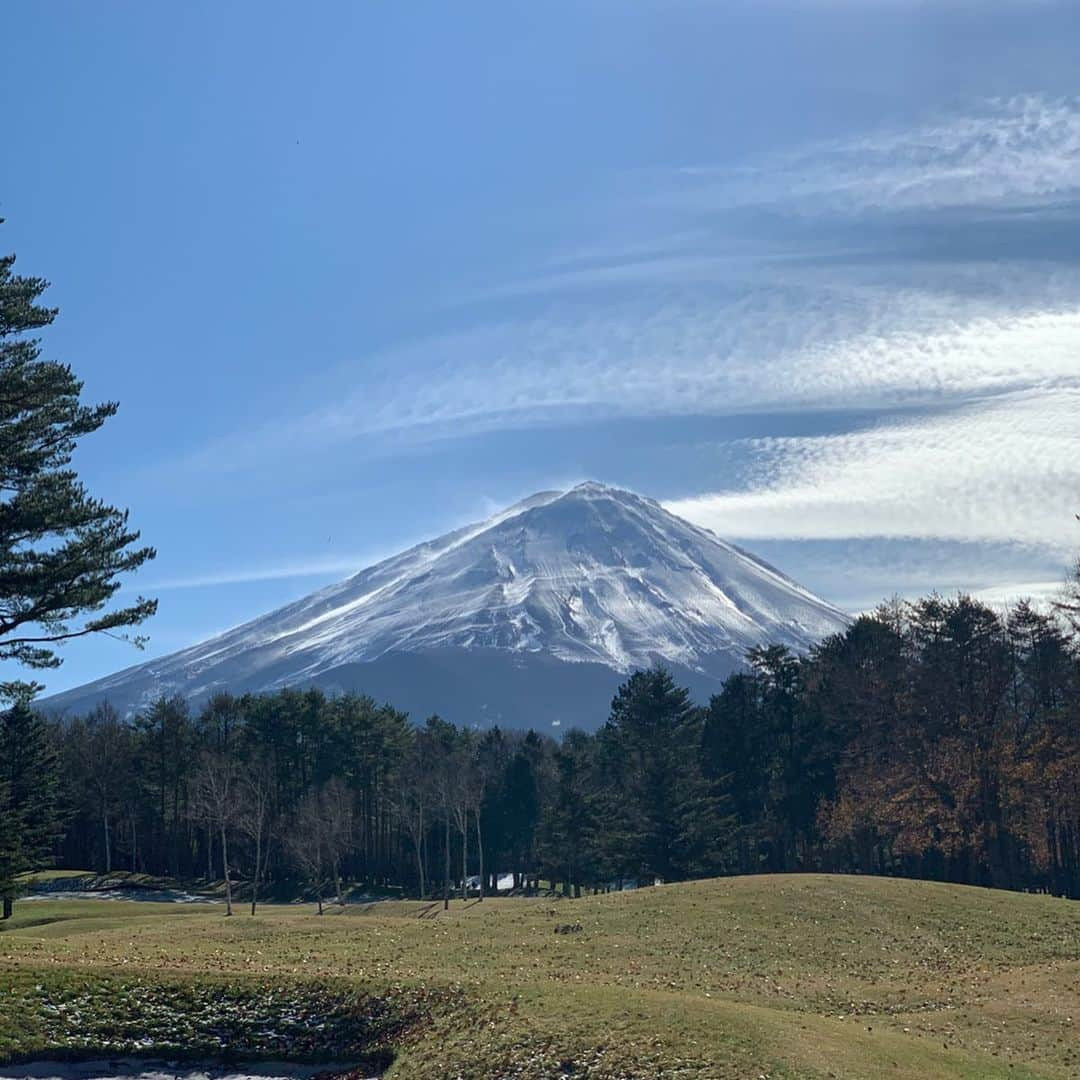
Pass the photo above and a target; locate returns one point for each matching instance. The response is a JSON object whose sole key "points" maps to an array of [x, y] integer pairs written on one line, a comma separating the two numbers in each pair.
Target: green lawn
{"points": [[785, 976]]}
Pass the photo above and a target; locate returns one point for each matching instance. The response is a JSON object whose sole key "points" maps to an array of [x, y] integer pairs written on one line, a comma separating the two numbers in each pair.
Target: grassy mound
{"points": [[787, 976]]}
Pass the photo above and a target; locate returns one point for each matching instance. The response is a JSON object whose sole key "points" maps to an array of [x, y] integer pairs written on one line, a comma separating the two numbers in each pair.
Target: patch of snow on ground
{"points": [[158, 896], [176, 896], [505, 881]]}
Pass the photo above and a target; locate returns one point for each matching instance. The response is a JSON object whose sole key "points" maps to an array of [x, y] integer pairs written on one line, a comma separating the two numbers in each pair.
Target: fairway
{"points": [[776, 976]]}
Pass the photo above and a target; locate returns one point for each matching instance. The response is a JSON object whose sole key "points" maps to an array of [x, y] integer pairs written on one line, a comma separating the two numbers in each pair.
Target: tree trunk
{"points": [[480, 852], [9, 905], [337, 884], [423, 859], [258, 871], [446, 882], [465, 859], [225, 866], [108, 844], [420, 856]]}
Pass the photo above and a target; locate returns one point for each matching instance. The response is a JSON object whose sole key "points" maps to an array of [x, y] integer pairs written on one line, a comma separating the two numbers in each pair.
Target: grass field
{"points": [[786, 976]]}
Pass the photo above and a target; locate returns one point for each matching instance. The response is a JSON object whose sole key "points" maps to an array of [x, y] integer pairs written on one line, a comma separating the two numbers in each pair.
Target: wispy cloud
{"points": [[669, 333], [1040, 593], [792, 338], [1006, 470], [1003, 152], [861, 572], [315, 567]]}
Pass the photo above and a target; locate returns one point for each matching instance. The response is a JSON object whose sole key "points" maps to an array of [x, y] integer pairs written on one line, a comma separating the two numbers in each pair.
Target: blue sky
{"points": [[357, 273]]}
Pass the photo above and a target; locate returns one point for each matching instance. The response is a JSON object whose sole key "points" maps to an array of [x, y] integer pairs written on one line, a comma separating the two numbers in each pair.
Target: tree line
{"points": [[937, 739]]}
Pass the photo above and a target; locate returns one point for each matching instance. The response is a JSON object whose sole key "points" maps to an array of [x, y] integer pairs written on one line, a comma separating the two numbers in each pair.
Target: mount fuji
{"points": [[531, 618]]}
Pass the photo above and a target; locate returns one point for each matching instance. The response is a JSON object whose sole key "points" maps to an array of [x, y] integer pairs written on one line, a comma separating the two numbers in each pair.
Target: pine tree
{"points": [[734, 761], [519, 806], [29, 797], [788, 738], [568, 839], [9, 849], [657, 732], [61, 551]]}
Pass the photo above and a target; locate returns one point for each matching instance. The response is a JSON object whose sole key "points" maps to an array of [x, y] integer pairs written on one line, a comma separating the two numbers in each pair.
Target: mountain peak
{"points": [[594, 487], [595, 576]]}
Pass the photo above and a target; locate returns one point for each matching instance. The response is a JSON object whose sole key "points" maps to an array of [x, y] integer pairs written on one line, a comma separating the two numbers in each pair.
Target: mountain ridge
{"points": [[594, 575]]}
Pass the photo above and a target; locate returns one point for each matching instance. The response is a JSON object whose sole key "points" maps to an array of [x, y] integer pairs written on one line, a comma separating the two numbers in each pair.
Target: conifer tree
{"points": [[9, 851], [62, 552], [657, 731], [520, 806], [571, 823], [29, 797]]}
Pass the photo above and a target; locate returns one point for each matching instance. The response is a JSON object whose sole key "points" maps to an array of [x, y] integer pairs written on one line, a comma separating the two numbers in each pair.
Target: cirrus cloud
{"points": [[1003, 470], [1009, 151]]}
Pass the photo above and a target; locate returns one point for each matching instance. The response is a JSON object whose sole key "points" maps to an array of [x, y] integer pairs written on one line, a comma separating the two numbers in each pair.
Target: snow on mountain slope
{"points": [[594, 575]]}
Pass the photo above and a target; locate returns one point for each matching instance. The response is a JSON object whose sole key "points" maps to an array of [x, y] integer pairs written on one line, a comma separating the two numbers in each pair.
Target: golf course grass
{"points": [[770, 976]]}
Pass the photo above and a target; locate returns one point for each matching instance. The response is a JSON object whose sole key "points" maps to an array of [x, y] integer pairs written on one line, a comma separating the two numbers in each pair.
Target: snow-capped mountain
{"points": [[533, 615]]}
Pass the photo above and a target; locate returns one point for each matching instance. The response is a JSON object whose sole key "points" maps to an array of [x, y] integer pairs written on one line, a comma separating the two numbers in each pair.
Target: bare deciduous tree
{"points": [[215, 800], [414, 803], [105, 750], [1069, 602], [459, 810], [336, 806], [321, 835], [466, 796], [256, 820], [304, 841]]}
